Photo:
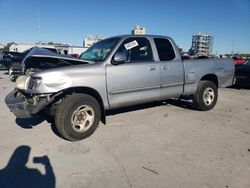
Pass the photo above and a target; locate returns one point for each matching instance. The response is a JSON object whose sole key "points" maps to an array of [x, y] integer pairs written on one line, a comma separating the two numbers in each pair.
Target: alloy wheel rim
{"points": [[82, 118], [208, 96]]}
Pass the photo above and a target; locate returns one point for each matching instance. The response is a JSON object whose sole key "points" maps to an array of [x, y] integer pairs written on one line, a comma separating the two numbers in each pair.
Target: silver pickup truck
{"points": [[116, 72]]}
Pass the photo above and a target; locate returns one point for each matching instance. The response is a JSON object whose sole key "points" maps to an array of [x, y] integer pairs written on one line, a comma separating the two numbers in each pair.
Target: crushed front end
{"points": [[23, 103], [18, 105]]}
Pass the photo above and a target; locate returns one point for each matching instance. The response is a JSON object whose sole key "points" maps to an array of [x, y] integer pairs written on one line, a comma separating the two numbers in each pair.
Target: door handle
{"points": [[151, 68], [164, 67]]}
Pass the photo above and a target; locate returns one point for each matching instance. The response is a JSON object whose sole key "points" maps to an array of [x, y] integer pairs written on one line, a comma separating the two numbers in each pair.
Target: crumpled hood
{"points": [[40, 52]]}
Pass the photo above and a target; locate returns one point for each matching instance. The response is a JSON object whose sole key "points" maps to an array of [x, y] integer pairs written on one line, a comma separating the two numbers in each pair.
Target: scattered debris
{"points": [[150, 170]]}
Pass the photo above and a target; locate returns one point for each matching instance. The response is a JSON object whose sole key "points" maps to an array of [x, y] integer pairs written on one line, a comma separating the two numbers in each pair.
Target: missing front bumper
{"points": [[18, 105], [21, 108]]}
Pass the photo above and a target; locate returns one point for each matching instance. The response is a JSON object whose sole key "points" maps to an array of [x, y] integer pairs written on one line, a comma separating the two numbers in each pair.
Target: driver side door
{"points": [[137, 80]]}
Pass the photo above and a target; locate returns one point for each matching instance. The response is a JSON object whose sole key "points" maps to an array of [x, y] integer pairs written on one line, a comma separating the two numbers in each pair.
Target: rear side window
{"points": [[165, 49]]}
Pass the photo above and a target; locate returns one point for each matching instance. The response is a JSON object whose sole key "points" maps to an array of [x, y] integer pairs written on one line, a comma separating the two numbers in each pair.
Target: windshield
{"points": [[100, 50]]}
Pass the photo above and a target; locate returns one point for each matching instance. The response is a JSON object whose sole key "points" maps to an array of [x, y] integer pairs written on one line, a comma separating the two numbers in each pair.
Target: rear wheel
{"points": [[206, 96], [77, 116]]}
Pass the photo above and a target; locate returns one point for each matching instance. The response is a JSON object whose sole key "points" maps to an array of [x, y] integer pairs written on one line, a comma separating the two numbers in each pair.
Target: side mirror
{"points": [[119, 58]]}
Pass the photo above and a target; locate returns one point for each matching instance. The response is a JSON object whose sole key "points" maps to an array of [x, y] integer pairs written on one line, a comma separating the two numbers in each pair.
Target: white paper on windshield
{"points": [[131, 45]]}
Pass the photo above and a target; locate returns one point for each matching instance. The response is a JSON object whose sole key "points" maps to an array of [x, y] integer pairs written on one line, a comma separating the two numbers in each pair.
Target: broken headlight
{"points": [[21, 82], [34, 82], [24, 82]]}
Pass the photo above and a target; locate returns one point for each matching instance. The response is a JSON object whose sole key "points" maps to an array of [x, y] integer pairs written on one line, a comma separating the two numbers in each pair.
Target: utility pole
{"points": [[38, 27]]}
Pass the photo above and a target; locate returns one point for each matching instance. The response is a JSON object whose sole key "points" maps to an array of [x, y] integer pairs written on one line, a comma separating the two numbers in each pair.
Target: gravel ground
{"points": [[156, 145]]}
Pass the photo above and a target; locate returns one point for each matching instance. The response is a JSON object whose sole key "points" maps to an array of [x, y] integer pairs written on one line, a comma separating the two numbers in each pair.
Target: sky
{"points": [[30, 21]]}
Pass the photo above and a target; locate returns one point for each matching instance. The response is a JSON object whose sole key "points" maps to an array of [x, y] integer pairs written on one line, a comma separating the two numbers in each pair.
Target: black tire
{"points": [[206, 96], [15, 70], [78, 108]]}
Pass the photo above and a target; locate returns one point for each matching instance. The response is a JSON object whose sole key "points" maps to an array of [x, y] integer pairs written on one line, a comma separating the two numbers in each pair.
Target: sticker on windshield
{"points": [[131, 45]]}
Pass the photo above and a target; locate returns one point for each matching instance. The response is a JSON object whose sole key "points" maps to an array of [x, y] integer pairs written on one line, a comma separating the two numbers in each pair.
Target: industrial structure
{"points": [[202, 44], [138, 30]]}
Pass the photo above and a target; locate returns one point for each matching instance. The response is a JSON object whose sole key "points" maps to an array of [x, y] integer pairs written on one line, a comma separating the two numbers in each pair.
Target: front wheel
{"points": [[206, 96], [77, 116]]}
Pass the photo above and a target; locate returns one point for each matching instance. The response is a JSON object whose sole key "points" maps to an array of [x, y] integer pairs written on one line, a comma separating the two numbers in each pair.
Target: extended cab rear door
{"points": [[137, 80], [171, 68]]}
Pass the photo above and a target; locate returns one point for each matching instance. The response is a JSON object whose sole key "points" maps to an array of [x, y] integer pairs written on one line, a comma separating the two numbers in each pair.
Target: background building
{"points": [[90, 40], [138, 30], [202, 44]]}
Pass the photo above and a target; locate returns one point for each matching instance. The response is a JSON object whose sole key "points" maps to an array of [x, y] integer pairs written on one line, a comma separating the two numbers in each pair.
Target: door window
{"points": [[165, 49], [137, 49]]}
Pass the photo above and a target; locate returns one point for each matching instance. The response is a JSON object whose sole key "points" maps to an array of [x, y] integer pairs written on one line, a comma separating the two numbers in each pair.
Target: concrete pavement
{"points": [[155, 145]]}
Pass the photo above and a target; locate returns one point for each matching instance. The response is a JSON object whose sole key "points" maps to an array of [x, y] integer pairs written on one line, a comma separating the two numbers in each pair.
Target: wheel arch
{"points": [[89, 91], [211, 77]]}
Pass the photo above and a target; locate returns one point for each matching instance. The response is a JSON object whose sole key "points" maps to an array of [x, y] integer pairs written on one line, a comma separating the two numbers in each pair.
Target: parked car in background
{"points": [[242, 73], [74, 55], [113, 73], [7, 58], [238, 60]]}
